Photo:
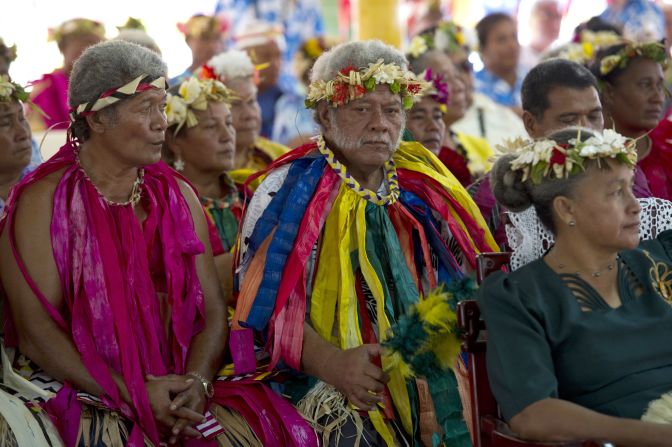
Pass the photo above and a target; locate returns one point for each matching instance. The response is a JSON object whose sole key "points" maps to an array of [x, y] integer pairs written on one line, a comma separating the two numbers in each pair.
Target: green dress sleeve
{"points": [[519, 358]]}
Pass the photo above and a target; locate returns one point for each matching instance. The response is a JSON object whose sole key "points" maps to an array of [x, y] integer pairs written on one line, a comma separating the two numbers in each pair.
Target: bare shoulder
{"points": [[36, 200]]}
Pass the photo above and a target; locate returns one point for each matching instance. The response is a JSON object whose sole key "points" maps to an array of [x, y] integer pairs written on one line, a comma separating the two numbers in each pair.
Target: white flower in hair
{"points": [[176, 109], [386, 73], [190, 90], [232, 64], [590, 150], [613, 138]]}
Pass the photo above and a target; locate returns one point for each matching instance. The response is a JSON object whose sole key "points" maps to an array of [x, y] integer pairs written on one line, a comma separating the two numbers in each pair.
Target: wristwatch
{"points": [[207, 385]]}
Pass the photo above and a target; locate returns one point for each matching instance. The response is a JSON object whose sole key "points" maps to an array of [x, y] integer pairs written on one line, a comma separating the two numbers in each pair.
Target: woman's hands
{"points": [[178, 402]]}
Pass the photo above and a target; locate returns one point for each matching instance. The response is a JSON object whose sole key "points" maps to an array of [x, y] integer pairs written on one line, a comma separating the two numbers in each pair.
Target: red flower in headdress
{"points": [[346, 71], [208, 72], [341, 93], [558, 157], [413, 88]]}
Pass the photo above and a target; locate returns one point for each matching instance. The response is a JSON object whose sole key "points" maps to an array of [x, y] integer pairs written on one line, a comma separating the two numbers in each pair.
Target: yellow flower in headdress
{"points": [[459, 38], [417, 46], [194, 94], [608, 64], [588, 49], [313, 48]]}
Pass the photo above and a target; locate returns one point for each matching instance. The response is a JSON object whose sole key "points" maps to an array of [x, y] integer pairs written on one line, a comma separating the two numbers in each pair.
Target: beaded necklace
{"points": [[342, 171], [136, 191]]}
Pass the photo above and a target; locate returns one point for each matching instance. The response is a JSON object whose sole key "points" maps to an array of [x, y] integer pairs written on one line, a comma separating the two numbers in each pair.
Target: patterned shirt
{"points": [[641, 20], [301, 19], [498, 89]]}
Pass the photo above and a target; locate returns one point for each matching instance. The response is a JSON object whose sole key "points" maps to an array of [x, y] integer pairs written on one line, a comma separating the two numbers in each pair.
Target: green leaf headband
{"points": [[352, 83], [548, 159], [194, 94], [651, 50], [11, 90]]}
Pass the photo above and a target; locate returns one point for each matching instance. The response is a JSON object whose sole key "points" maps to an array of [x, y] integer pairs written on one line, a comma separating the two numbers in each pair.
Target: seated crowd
{"points": [[174, 276]]}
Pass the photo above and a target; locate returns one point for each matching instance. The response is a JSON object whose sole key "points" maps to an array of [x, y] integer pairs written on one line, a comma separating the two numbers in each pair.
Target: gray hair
{"points": [[358, 54], [106, 66], [427, 60], [517, 195]]}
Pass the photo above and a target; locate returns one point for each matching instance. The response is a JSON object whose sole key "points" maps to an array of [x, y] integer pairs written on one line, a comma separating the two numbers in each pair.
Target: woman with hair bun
{"points": [[574, 347]]}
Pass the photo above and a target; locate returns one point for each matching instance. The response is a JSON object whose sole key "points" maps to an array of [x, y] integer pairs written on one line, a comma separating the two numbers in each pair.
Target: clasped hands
{"points": [[178, 403]]}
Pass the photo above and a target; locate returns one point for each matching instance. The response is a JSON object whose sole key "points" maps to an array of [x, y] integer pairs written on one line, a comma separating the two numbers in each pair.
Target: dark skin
{"points": [[567, 106], [111, 158], [207, 150], [633, 102], [606, 216], [15, 145], [369, 120]]}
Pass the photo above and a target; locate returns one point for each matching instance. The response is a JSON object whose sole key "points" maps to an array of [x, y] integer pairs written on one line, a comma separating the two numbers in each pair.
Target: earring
{"points": [[572, 223], [178, 164]]}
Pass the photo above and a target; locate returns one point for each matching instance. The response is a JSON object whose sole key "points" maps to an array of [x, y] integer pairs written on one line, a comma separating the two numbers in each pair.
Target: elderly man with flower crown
{"points": [[344, 236]]}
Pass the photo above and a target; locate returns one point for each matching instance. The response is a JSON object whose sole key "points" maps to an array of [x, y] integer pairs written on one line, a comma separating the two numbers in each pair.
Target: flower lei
{"points": [[342, 171], [547, 159], [194, 94], [650, 50], [352, 83], [440, 91]]}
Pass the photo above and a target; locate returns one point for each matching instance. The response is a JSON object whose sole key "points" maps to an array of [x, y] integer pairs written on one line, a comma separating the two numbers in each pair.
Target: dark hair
{"points": [[517, 195], [487, 23], [596, 25], [548, 75], [614, 74]]}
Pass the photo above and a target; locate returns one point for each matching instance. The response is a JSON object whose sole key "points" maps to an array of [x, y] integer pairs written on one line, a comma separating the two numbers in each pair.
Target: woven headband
{"points": [[117, 94]]}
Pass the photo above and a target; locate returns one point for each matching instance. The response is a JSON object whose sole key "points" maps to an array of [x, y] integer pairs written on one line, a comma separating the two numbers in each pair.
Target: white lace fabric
{"points": [[529, 239]]}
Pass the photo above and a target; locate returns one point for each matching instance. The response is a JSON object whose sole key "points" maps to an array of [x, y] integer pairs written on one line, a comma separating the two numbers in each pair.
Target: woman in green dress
{"points": [[578, 341]]}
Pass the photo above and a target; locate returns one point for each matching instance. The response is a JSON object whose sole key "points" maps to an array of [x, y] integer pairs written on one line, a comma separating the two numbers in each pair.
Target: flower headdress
{"points": [[114, 95], [439, 91], [194, 94], [230, 65], [448, 37], [11, 90], [308, 53], [650, 50], [548, 159], [352, 83], [76, 26], [133, 23], [8, 53], [583, 49], [202, 25]]}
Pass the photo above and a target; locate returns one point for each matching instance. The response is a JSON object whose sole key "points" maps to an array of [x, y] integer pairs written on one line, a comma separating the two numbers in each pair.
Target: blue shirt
{"points": [[640, 19], [301, 20], [267, 100], [498, 89], [292, 119]]}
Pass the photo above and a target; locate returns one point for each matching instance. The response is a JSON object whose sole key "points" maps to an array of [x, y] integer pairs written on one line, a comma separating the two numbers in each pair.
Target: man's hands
{"points": [[178, 402], [353, 373]]}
